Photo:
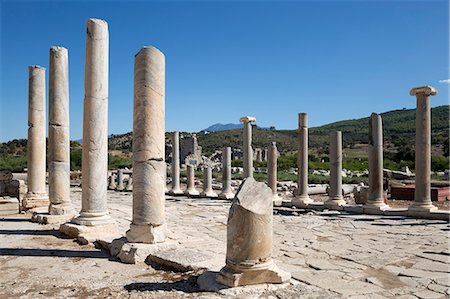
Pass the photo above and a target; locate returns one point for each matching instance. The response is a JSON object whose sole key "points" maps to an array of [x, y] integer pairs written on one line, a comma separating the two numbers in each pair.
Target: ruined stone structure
{"points": [[190, 151], [336, 198], [248, 151], [149, 168], [37, 194]]}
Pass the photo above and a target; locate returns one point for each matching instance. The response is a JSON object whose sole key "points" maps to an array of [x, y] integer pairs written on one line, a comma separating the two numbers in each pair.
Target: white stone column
{"points": [[375, 197], [272, 170], [120, 185], [149, 167], [112, 182], [335, 197], [190, 174], [248, 151], [36, 153], [207, 183], [94, 209], [58, 133], [176, 190], [422, 195], [302, 198], [226, 193]]}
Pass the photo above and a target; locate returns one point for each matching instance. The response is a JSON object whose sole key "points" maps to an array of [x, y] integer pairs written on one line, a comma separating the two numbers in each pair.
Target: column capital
{"points": [[427, 90], [247, 119]]}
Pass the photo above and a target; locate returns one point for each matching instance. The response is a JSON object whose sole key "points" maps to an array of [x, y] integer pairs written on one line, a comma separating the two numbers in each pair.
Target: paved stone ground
{"points": [[329, 255]]}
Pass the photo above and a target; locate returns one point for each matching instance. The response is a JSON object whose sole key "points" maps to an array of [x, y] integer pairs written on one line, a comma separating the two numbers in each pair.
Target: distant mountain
{"points": [[222, 127]]}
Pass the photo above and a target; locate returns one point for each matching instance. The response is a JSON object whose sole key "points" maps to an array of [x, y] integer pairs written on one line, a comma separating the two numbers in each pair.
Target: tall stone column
{"points": [[58, 133], [248, 151], [422, 195], [226, 193], [120, 185], [176, 190], [94, 210], [272, 172], [375, 197], [335, 200], [149, 167], [302, 198], [190, 174], [36, 154], [207, 183]]}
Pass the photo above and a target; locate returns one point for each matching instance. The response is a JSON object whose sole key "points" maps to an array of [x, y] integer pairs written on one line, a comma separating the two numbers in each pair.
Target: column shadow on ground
{"points": [[14, 219], [188, 285], [53, 252], [31, 232]]}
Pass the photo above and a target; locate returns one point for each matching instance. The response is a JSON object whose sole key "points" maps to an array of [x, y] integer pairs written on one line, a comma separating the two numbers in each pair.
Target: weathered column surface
{"points": [[248, 151], [120, 185], [176, 190], [375, 196], [335, 197], [422, 194], [249, 238], [149, 167], [207, 183], [302, 198], [94, 209], [190, 174], [58, 133], [37, 195], [226, 193], [272, 172]]}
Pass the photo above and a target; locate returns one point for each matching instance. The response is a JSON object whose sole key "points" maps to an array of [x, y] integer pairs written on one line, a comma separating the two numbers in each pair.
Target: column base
{"points": [[210, 194], [133, 253], [35, 201], [120, 188], [191, 192], [376, 209], [421, 210], [89, 234], [52, 219], [226, 195], [177, 191], [61, 209], [263, 273], [301, 201], [147, 233], [93, 219], [335, 204]]}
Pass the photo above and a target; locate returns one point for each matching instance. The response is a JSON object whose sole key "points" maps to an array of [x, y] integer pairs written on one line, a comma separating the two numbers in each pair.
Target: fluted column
{"points": [[375, 196], [207, 183], [272, 170], [422, 195], [58, 133], [248, 151], [226, 193], [302, 198], [149, 167], [335, 197], [36, 153], [176, 190]]}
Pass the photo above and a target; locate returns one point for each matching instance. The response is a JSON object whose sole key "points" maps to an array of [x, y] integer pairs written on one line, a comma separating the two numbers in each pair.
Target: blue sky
{"points": [[335, 60]]}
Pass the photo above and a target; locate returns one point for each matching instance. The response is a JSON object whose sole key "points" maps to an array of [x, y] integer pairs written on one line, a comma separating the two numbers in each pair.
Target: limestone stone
{"points": [[112, 182], [207, 183], [302, 199], [375, 197], [190, 173], [249, 238], [422, 194], [129, 186], [36, 154], [120, 185], [176, 190], [226, 193], [336, 198], [94, 210], [133, 253], [248, 151], [149, 167], [272, 172], [9, 205]]}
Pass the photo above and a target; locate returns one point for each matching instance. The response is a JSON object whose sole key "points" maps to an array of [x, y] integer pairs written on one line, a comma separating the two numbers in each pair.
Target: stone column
{"points": [[176, 190], [302, 198], [112, 182], [120, 185], [129, 186], [335, 200], [94, 209], [207, 183], [249, 238], [190, 174], [248, 151], [272, 172], [37, 195], [149, 167], [422, 195], [375, 197], [226, 193], [58, 133]]}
